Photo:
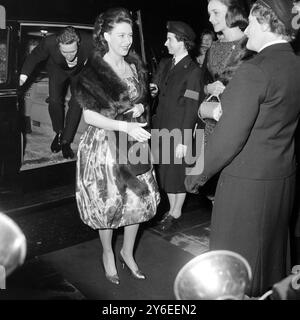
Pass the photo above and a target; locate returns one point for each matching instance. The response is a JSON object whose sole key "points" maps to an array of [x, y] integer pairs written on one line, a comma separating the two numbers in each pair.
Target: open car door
{"points": [[30, 174], [10, 133]]}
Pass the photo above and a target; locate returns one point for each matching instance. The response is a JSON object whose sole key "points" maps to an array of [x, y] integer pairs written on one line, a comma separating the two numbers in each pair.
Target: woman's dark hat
{"points": [[283, 10], [181, 29]]}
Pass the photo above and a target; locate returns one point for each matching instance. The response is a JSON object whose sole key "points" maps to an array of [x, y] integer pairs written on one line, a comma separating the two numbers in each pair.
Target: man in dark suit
{"points": [[66, 54], [180, 86], [253, 145]]}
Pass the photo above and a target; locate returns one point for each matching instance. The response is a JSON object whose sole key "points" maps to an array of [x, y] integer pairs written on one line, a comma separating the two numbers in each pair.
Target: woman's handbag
{"points": [[210, 109]]}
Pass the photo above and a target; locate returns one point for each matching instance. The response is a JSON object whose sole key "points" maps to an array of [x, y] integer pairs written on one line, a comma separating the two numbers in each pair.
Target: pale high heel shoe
{"points": [[113, 279], [137, 274]]}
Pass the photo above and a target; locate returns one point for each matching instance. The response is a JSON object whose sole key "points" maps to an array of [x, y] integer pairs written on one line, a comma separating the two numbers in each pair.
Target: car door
{"points": [[38, 131], [10, 134]]}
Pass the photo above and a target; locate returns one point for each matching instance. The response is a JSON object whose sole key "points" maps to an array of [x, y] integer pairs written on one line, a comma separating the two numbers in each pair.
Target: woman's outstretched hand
{"points": [[136, 131]]}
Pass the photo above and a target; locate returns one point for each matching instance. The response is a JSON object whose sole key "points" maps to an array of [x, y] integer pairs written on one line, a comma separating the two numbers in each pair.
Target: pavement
{"points": [[50, 230]]}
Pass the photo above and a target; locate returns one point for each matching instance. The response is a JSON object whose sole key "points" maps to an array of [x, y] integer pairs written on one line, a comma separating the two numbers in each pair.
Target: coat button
{"points": [[204, 178]]}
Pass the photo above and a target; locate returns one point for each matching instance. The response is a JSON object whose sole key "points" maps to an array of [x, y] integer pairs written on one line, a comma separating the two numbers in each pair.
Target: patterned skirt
{"points": [[100, 204]]}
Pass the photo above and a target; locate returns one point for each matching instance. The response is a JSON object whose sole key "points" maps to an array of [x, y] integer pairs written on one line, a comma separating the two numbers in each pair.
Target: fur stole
{"points": [[99, 88]]}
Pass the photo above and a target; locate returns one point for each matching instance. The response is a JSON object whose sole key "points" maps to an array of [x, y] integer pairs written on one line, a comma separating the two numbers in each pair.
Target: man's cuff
{"points": [[23, 77]]}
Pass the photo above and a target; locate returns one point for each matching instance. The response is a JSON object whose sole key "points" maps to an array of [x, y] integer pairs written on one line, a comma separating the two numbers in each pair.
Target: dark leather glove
{"points": [[192, 183], [195, 177]]}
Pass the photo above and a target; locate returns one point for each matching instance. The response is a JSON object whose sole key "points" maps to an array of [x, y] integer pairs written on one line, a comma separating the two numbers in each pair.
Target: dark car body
{"points": [[10, 137], [22, 108]]}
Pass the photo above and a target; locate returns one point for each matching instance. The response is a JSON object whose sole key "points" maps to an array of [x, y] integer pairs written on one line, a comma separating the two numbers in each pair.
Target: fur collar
{"points": [[100, 89]]}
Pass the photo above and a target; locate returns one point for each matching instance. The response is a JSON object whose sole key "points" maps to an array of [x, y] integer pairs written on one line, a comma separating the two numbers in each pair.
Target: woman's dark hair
{"points": [[105, 22], [205, 32], [236, 15], [188, 44], [267, 16]]}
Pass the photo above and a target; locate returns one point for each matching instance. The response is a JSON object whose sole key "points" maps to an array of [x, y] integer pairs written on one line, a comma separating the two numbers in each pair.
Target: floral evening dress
{"points": [[100, 204]]}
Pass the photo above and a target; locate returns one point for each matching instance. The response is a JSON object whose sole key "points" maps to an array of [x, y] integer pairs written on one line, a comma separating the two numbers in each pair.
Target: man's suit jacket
{"points": [[254, 138], [48, 51]]}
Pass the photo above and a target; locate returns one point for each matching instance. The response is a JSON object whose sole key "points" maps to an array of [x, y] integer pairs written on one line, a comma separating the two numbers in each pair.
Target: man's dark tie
{"points": [[173, 63]]}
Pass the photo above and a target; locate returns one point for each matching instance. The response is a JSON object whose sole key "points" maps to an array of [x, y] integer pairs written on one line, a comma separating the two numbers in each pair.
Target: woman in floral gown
{"points": [[112, 90]]}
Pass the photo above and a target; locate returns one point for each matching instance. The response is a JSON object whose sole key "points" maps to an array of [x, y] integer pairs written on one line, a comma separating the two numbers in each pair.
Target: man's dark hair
{"points": [[68, 35]]}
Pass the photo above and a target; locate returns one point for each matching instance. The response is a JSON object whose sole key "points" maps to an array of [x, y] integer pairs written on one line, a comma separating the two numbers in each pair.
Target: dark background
{"points": [[154, 13], [193, 11]]}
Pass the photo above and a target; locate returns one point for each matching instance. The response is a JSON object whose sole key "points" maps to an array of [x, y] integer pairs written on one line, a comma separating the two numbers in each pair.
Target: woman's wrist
{"points": [[205, 90], [122, 126]]}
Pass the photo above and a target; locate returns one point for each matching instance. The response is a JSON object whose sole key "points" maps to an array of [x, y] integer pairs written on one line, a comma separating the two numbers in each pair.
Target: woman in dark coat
{"points": [[253, 144], [179, 82], [111, 192]]}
